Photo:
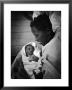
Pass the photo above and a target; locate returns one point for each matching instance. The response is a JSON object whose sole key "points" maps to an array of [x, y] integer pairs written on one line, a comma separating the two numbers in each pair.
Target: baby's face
{"points": [[29, 49], [33, 49]]}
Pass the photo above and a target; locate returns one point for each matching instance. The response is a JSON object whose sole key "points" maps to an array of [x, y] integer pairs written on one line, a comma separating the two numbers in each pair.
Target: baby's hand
{"points": [[33, 58]]}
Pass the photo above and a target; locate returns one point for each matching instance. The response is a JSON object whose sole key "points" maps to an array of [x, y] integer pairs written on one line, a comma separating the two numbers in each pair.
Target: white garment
{"points": [[31, 66], [52, 57]]}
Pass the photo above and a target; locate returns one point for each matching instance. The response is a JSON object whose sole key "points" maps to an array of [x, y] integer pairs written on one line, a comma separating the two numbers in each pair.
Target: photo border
{"points": [[2, 28]]}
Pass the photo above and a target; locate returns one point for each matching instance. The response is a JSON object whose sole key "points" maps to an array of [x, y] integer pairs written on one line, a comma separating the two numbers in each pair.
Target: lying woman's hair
{"points": [[42, 23]]}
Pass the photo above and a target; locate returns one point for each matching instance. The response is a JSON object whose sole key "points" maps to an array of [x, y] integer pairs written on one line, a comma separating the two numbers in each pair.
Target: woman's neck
{"points": [[49, 37]]}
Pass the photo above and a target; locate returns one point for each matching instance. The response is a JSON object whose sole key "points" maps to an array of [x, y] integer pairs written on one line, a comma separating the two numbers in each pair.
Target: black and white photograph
{"points": [[36, 44]]}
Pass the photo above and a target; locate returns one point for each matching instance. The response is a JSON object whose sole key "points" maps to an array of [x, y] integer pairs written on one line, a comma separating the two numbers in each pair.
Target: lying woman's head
{"points": [[41, 28]]}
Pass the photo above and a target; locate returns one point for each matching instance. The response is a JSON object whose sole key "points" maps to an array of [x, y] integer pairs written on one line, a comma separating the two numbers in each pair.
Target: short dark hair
{"points": [[42, 22]]}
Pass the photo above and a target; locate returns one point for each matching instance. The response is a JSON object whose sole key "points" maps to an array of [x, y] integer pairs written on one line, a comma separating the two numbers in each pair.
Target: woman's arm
{"points": [[17, 69]]}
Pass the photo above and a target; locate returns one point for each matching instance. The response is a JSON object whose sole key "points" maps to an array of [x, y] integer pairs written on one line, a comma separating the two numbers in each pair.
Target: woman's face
{"points": [[40, 36]]}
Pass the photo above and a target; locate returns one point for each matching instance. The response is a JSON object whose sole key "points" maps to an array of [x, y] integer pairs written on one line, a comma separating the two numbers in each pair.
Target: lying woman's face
{"points": [[40, 36]]}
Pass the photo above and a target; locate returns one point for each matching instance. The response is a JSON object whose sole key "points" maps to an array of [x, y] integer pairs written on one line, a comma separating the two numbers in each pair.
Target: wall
{"points": [[20, 33]]}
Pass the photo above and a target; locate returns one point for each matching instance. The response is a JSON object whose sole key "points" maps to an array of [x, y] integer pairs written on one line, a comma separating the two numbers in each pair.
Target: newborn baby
{"points": [[29, 49], [32, 63]]}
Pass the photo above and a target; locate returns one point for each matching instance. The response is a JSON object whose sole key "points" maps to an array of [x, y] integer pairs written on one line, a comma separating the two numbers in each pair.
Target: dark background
{"points": [[1, 37]]}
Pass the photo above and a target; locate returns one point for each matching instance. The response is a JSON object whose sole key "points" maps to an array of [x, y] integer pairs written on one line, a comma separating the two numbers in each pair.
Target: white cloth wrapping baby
{"points": [[31, 66]]}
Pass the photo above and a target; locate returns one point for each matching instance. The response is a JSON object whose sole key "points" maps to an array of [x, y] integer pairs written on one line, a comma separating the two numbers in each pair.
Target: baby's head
{"points": [[33, 50], [29, 49]]}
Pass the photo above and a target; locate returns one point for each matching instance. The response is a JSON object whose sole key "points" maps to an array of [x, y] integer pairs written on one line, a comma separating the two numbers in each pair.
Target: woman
{"points": [[41, 27]]}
